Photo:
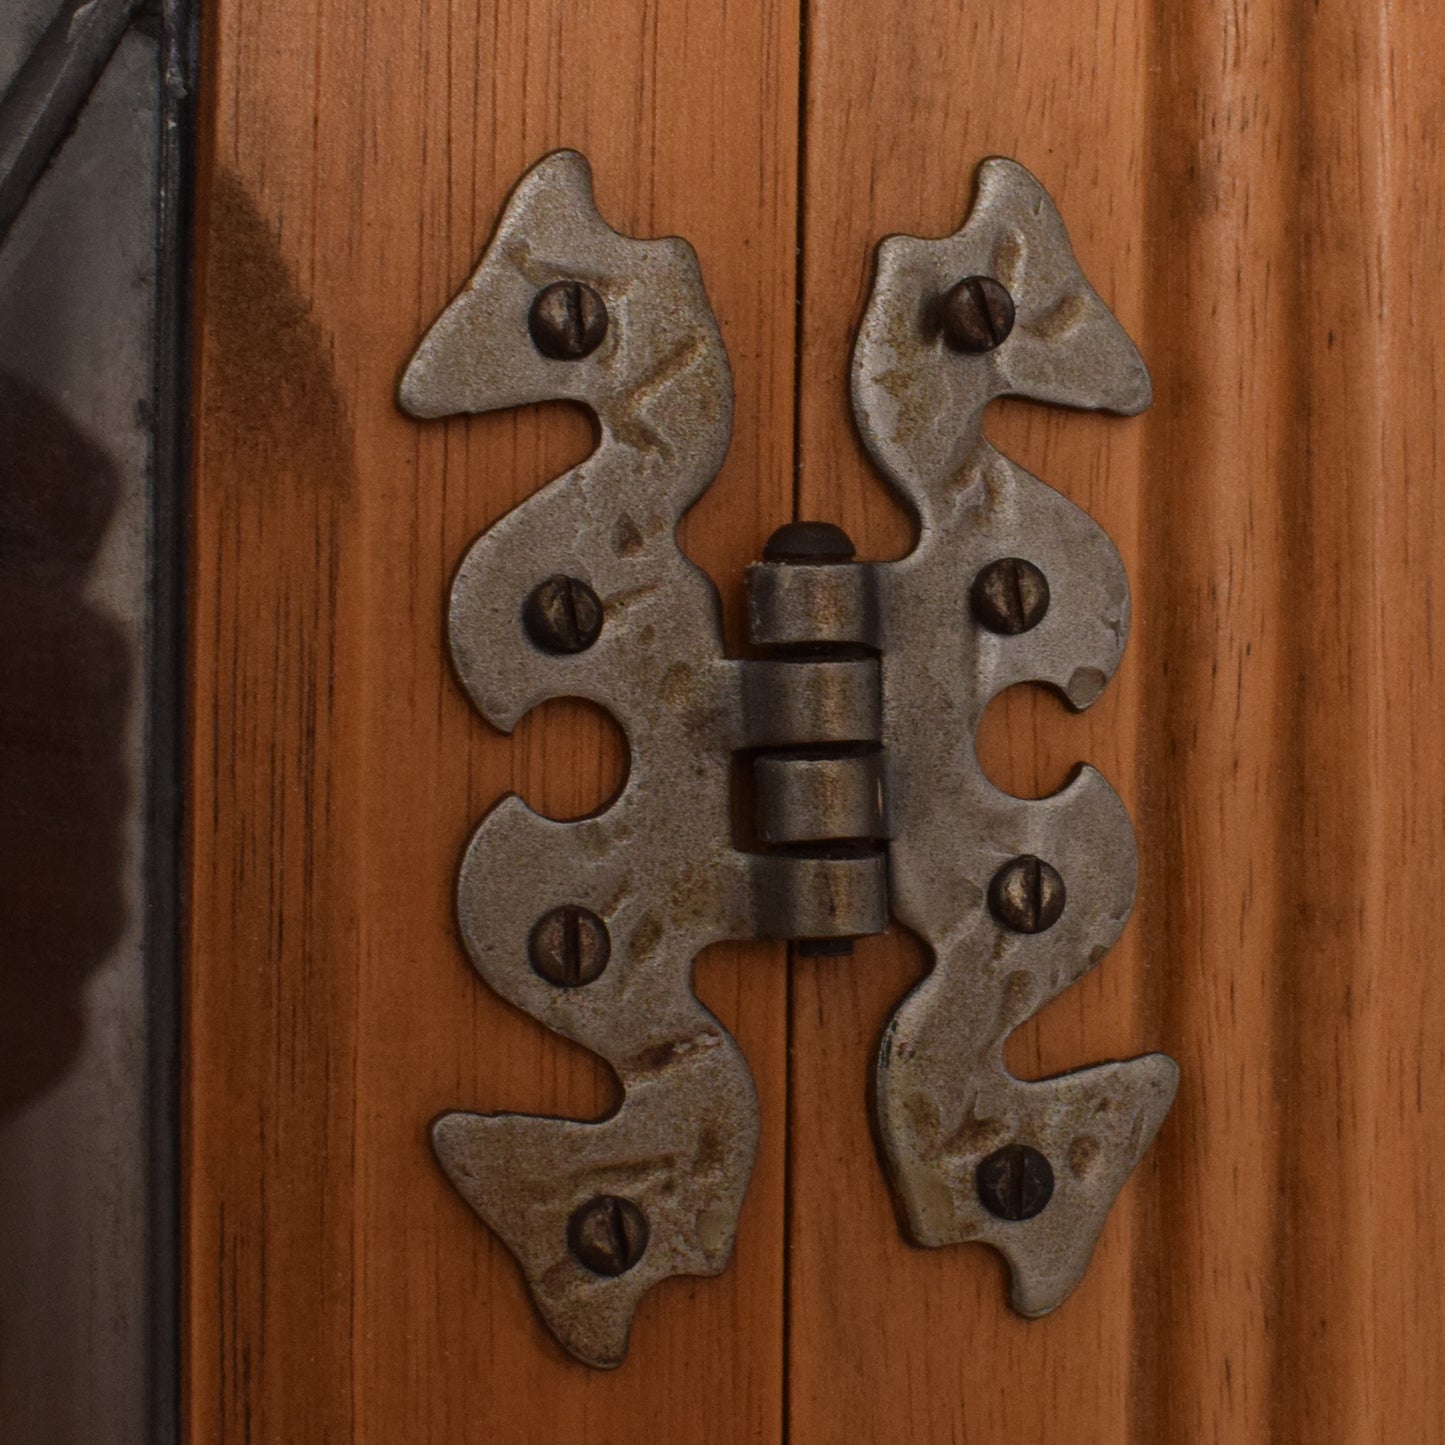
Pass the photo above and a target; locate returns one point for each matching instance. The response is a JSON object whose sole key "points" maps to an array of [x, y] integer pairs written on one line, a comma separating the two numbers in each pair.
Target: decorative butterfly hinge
{"points": [[857, 714]]}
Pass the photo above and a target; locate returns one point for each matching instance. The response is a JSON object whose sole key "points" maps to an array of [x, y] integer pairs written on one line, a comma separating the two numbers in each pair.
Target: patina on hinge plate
{"points": [[859, 719]]}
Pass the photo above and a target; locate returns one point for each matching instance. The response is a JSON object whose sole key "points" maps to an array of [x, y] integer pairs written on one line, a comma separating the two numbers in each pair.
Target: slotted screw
{"points": [[1015, 1182], [1010, 596], [976, 315], [569, 946], [568, 320], [607, 1235], [1026, 895], [562, 614]]}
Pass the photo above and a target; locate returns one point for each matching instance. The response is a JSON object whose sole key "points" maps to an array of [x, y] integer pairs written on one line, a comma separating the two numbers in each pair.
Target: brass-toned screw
{"points": [[1015, 1182], [976, 315], [1026, 895], [562, 614], [1010, 596], [607, 1235], [568, 320], [569, 946]]}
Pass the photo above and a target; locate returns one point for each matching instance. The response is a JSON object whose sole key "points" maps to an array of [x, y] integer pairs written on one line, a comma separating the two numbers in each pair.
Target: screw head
{"points": [[607, 1235], [1014, 1183], [562, 614], [976, 315], [569, 946], [568, 320], [1026, 895], [808, 542], [1010, 596]]}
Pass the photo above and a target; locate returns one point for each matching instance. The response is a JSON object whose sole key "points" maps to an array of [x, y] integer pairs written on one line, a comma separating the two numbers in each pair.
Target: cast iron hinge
{"points": [[857, 714]]}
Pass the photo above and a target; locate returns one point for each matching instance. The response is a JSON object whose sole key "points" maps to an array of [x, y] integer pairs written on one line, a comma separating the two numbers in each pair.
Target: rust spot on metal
{"points": [[976, 1135], [677, 685], [658, 1057], [645, 938], [626, 538], [1008, 256], [664, 1055], [1062, 319], [711, 1150], [922, 1114], [1018, 994], [1082, 1154]]}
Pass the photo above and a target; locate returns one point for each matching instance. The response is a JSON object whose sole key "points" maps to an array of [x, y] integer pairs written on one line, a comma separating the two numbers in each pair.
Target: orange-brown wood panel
{"points": [[1252, 189], [893, 135], [1255, 191], [355, 156]]}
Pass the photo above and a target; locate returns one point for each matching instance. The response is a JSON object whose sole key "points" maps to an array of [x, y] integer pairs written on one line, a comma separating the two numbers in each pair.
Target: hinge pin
{"points": [[809, 542]]}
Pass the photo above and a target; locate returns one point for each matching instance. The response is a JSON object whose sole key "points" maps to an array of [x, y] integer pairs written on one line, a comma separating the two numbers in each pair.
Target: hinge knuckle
{"points": [[799, 704], [837, 896], [818, 698], [806, 799], [802, 605]]}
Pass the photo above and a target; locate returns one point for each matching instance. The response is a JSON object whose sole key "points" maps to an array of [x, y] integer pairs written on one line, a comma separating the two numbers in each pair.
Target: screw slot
{"points": [[562, 615], [1010, 596], [607, 1235], [1014, 1183], [1026, 895], [569, 946], [976, 315], [568, 320]]}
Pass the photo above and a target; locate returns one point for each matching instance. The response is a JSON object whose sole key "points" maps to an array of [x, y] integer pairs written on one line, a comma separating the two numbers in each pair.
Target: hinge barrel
{"points": [[814, 704]]}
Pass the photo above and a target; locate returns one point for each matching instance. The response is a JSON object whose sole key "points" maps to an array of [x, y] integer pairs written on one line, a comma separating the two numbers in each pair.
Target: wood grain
{"points": [[357, 154], [1248, 189], [947, 1360], [1255, 191]]}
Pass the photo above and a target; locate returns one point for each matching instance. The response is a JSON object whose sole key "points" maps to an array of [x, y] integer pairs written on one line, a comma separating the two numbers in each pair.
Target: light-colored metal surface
{"points": [[819, 799], [657, 866], [592, 925], [945, 1101], [798, 605]]}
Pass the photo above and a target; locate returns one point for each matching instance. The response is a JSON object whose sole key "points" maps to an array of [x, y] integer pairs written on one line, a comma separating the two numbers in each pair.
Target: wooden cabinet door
{"points": [[1255, 192]]}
